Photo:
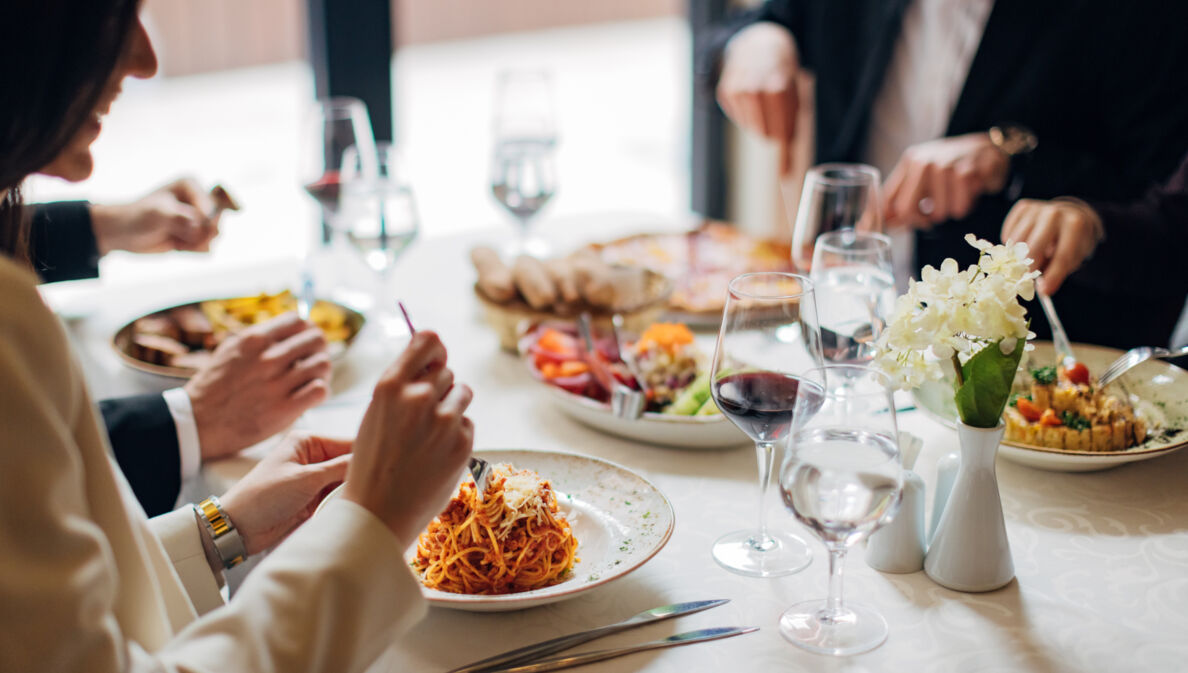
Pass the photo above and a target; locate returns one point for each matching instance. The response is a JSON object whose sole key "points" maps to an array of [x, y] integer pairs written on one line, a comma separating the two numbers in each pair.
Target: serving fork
{"points": [[626, 402], [1059, 337], [1134, 357]]}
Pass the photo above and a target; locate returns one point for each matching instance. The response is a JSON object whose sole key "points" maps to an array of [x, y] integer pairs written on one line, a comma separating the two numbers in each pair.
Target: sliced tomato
{"points": [[1050, 418], [1028, 409], [1078, 374]]}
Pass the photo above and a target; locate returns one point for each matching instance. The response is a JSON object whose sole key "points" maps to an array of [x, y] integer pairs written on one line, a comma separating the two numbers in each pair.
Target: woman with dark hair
{"points": [[87, 582]]}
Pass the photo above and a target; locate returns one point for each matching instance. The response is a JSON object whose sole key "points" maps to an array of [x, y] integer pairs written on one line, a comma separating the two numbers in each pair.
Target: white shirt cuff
{"points": [[187, 431]]}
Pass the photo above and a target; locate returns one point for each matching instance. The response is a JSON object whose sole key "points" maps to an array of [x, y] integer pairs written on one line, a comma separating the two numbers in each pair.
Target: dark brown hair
{"points": [[57, 56]]}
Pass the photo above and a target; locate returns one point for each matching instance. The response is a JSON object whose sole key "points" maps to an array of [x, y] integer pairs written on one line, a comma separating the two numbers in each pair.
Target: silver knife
{"points": [[1059, 336], [689, 638], [572, 640]]}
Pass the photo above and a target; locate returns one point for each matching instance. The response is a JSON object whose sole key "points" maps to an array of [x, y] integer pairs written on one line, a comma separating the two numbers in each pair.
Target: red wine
{"points": [[325, 189], [763, 404]]}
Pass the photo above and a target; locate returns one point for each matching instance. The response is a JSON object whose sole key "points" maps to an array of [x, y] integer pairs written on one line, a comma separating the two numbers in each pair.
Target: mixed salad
{"points": [[673, 371]]}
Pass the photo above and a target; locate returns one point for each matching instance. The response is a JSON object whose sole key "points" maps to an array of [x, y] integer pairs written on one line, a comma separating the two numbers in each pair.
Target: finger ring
{"points": [[925, 206]]}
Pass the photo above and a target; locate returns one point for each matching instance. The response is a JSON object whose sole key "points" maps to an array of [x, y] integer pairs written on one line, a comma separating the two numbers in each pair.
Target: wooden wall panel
{"points": [[204, 35]]}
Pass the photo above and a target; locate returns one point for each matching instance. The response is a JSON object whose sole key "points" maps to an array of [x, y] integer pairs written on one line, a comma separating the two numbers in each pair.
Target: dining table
{"points": [[1101, 558]]}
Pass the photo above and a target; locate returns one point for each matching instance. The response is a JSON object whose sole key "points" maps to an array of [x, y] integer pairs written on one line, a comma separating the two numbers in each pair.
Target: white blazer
{"points": [[87, 584]]}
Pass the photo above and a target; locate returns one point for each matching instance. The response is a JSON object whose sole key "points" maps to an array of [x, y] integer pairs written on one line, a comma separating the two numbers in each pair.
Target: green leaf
{"points": [[988, 377]]}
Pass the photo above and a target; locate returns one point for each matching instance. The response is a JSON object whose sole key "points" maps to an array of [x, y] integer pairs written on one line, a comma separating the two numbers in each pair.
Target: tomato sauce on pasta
{"points": [[516, 539]]}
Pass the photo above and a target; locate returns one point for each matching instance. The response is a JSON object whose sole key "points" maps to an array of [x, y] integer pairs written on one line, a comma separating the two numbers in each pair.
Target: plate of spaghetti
{"points": [[551, 525]]}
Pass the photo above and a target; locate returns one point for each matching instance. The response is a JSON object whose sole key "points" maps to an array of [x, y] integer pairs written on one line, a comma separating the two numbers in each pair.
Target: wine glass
{"points": [[769, 337], [523, 162], [841, 477], [855, 285], [378, 216], [331, 126], [835, 196]]}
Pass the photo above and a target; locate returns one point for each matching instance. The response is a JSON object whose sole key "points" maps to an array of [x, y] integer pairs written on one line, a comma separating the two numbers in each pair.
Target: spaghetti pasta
{"points": [[516, 539]]}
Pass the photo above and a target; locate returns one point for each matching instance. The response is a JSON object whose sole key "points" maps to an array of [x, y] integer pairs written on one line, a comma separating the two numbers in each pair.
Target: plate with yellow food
{"points": [[1058, 420], [178, 340], [550, 526]]}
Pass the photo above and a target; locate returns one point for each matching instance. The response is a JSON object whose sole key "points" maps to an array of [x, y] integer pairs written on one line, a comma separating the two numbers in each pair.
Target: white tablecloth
{"points": [[1101, 558]]}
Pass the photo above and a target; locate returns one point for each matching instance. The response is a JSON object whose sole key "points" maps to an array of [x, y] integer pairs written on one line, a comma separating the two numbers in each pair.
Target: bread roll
{"points": [[565, 278], [494, 277], [534, 282]]}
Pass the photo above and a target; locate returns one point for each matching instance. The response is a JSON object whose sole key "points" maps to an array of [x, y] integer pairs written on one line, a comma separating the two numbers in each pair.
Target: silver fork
{"points": [[1059, 336], [1132, 358]]}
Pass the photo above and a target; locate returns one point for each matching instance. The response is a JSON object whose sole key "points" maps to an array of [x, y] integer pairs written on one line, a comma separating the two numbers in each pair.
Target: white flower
{"points": [[953, 312]]}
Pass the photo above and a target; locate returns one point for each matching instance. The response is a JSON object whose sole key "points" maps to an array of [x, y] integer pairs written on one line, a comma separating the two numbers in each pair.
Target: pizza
{"points": [[701, 263]]}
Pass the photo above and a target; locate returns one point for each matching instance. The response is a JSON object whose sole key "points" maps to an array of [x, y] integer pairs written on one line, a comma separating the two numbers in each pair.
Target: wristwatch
{"points": [[1017, 143], [223, 533]]}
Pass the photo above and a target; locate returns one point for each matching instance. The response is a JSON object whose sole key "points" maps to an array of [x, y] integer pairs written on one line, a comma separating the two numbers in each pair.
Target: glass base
{"points": [[530, 245], [741, 552], [858, 629]]}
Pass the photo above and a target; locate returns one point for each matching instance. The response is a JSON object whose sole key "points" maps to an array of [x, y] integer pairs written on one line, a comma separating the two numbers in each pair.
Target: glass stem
{"points": [[834, 609], [765, 453]]}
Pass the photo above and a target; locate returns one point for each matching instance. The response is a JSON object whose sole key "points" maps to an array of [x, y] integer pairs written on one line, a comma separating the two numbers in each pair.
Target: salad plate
{"points": [[680, 412], [1158, 391]]}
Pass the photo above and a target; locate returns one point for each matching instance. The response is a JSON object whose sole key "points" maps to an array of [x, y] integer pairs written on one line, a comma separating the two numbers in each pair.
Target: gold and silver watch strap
{"points": [[226, 538]]}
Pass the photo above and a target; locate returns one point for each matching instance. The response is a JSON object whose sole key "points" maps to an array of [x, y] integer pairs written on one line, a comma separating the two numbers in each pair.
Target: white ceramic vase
{"points": [[969, 550]]}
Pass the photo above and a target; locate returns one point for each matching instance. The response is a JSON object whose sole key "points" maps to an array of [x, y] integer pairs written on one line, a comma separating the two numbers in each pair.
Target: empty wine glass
{"points": [[523, 163], [378, 216], [855, 286], [835, 196], [841, 477], [768, 339]]}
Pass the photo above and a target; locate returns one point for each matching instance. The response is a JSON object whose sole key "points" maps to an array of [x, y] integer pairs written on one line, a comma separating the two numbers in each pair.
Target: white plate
{"points": [[1161, 390], [619, 518], [684, 432]]}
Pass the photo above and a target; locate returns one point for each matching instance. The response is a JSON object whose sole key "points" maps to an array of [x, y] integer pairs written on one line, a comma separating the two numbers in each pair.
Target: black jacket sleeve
{"points": [[62, 241], [144, 440]]}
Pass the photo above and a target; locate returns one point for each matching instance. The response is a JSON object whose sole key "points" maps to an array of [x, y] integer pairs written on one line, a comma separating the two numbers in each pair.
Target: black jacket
{"points": [[1101, 83], [141, 429]]}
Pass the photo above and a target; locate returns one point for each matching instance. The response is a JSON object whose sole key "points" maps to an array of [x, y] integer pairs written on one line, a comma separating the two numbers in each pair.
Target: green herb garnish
{"points": [[1074, 420], [1015, 398], [1044, 375]]}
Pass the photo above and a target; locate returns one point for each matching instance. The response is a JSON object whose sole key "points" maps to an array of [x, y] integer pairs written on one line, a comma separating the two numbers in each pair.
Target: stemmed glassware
{"points": [[331, 126], [523, 160], [769, 338], [855, 285], [835, 196], [378, 216], [841, 477]]}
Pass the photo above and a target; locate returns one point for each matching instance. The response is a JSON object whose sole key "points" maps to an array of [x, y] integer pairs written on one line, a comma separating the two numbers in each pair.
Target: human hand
{"points": [[1060, 236], [942, 179], [174, 217], [757, 86], [284, 489], [257, 383], [413, 442]]}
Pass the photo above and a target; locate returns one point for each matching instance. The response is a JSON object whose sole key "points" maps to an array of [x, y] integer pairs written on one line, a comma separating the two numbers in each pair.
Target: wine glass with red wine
{"points": [[767, 348], [332, 126], [841, 478]]}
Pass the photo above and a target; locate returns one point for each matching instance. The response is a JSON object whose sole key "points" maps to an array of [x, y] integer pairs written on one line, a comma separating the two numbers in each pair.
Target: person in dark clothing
{"points": [[240, 399], [967, 107], [1104, 245]]}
